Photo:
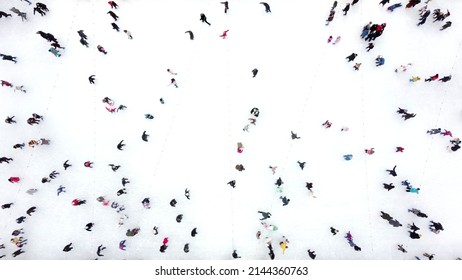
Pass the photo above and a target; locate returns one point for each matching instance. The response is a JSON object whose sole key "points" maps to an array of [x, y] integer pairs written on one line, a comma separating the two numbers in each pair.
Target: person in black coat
{"points": [[204, 19], [351, 57], [267, 7], [113, 15], [392, 172], [346, 9], [226, 6], [68, 247], [191, 34]]}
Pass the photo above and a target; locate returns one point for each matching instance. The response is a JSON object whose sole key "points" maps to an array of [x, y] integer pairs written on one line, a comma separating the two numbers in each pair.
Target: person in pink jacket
{"points": [[14, 179]]}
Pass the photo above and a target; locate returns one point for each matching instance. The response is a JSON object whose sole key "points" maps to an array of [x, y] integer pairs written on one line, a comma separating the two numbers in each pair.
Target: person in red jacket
{"points": [[5, 83], [14, 179], [165, 241], [77, 202], [432, 78], [225, 33], [113, 4]]}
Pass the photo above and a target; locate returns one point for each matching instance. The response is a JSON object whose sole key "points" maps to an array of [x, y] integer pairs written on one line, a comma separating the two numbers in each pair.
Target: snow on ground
{"points": [[302, 82]]}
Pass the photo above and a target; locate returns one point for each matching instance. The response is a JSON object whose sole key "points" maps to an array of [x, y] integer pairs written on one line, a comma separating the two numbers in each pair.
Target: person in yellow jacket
{"points": [[283, 245]]}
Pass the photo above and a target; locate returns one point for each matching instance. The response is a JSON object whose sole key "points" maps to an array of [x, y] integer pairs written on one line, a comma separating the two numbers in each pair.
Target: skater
{"points": [[186, 248], [37, 9], [55, 52], [173, 203], [173, 82], [187, 194], [395, 223], [330, 17], [334, 231], [337, 40], [146, 203], [20, 88], [5, 159], [82, 34], [115, 27], [283, 246], [408, 116], [88, 164], [232, 183], [254, 72], [435, 227], [383, 2], [53, 174], [120, 145], [385, 216], [226, 6], [312, 254], [356, 66], [31, 210], [346, 9], [379, 61], [399, 149], [279, 182], [402, 111], [294, 135], [7, 205], [101, 49], [194, 232], [113, 4], [191, 34], [235, 255], [273, 169], [267, 7], [240, 147], [60, 189], [370, 46], [351, 57], [432, 78], [21, 219], [66, 165], [388, 187], [446, 25], [77, 202], [121, 192], [8, 57], [68, 247], [129, 34], [411, 189], [99, 250], [113, 15], [84, 42], [392, 172], [91, 79], [266, 215], [446, 133], [204, 19], [445, 79], [145, 136], [401, 248], [3, 14], [89, 226], [240, 167], [394, 6], [434, 131], [369, 151], [285, 200], [354, 2], [114, 167], [6, 83], [327, 124], [255, 111], [225, 34], [10, 120], [122, 245], [301, 164], [149, 116], [418, 213], [14, 180], [179, 218]]}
